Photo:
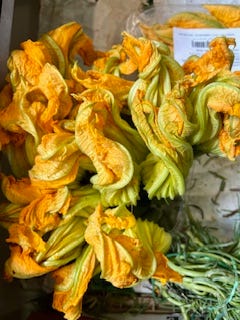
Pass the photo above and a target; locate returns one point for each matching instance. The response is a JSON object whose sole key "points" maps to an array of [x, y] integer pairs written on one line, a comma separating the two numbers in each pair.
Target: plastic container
{"points": [[152, 24], [164, 9]]}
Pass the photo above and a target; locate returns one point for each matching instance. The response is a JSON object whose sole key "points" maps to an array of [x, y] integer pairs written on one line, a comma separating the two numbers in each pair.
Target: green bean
{"points": [[184, 271]]}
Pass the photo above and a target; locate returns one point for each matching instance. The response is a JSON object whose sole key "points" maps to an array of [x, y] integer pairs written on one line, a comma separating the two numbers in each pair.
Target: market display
{"points": [[85, 134]]}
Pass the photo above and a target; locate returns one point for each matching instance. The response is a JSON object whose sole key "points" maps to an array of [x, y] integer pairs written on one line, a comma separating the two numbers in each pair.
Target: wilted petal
{"points": [[191, 20], [216, 114], [229, 137], [115, 259], [57, 163], [21, 265], [112, 160], [71, 282], [225, 98], [97, 80], [24, 236], [219, 57], [6, 94], [111, 122], [163, 272], [153, 236], [154, 240], [23, 66], [72, 40], [228, 14], [158, 32], [24, 244], [115, 61], [52, 91], [44, 213], [128, 195], [10, 116], [19, 191], [140, 51]]}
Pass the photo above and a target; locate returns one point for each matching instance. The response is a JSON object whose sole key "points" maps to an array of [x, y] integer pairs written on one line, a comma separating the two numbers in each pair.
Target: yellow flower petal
{"points": [[219, 57], [118, 86], [163, 272], [229, 15], [115, 259], [153, 239], [21, 265], [44, 213], [229, 137], [112, 160], [71, 282], [57, 163], [20, 191]]}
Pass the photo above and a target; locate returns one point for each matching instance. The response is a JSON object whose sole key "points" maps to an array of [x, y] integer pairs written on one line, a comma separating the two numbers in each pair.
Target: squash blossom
{"points": [[215, 98], [151, 101]]}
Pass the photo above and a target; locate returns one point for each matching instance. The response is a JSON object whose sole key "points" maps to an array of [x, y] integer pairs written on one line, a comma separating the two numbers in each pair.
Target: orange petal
{"points": [[116, 260], [118, 86], [140, 51], [71, 284], [229, 15], [19, 191], [229, 137], [164, 273], [44, 213], [219, 57], [57, 163], [21, 265], [26, 238]]}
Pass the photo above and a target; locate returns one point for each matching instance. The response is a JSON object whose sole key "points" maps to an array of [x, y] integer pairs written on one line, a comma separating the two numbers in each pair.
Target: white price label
{"points": [[188, 42]]}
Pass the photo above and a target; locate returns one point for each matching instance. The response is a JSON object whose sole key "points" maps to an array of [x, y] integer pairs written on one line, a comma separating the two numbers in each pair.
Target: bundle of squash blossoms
{"points": [[83, 133]]}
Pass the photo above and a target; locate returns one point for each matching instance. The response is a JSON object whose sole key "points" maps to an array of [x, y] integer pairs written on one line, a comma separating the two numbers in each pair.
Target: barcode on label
{"points": [[200, 44]]}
